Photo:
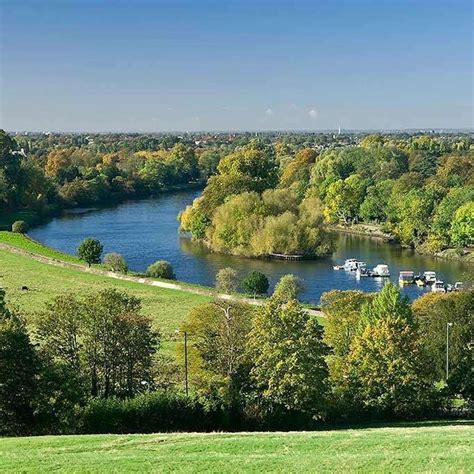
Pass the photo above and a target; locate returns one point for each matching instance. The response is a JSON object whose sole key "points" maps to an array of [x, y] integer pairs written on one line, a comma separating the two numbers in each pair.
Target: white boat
{"points": [[429, 277], [351, 264], [381, 270], [438, 287], [458, 286], [338, 267]]}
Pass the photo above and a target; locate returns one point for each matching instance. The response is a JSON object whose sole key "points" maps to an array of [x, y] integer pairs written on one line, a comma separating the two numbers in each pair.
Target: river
{"points": [[146, 231]]}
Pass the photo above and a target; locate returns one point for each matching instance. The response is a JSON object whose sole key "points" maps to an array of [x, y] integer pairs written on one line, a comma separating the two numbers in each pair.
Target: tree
{"points": [[90, 251], [433, 312], [161, 269], [387, 371], [218, 333], [20, 227], [462, 228], [103, 339], [256, 283], [288, 288], [288, 358], [19, 372], [115, 262], [227, 280]]}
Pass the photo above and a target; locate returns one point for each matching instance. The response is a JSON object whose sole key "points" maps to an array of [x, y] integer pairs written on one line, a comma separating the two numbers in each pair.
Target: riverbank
{"points": [[22, 245], [36, 217], [374, 231]]}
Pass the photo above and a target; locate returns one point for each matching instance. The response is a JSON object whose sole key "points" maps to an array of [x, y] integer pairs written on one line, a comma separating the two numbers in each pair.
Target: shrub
{"points": [[256, 283], [227, 280], [115, 262], [90, 251], [20, 227], [161, 269], [150, 413]]}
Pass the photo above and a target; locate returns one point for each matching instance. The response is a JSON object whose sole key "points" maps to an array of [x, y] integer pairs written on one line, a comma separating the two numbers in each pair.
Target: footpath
{"points": [[137, 279]]}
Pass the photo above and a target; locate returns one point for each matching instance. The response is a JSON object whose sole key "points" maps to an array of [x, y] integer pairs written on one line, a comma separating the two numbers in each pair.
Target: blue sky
{"points": [[142, 65]]}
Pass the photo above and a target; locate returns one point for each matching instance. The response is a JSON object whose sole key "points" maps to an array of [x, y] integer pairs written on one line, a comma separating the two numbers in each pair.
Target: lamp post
{"points": [[186, 361], [448, 325]]}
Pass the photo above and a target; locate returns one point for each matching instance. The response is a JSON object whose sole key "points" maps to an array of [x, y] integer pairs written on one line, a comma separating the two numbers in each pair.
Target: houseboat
{"points": [[406, 278]]}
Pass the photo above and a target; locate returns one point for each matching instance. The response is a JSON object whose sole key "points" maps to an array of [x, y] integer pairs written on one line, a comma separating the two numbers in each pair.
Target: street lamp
{"points": [[448, 325]]}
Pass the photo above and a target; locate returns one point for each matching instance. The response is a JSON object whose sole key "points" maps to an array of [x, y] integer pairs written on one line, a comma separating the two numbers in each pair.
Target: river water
{"points": [[146, 231]]}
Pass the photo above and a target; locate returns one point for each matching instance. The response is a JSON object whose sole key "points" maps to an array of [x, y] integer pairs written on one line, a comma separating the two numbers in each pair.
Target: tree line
{"points": [[94, 363], [269, 198]]}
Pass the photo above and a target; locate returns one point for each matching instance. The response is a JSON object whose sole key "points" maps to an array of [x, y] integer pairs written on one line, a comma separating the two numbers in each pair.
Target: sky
{"points": [[151, 66]]}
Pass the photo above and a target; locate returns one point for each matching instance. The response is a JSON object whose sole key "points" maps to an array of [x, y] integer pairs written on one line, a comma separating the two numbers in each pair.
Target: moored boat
{"points": [[381, 270], [406, 278], [429, 277], [438, 287]]}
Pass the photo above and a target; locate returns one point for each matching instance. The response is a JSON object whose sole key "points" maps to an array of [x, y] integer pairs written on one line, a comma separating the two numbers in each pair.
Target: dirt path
{"points": [[136, 279]]}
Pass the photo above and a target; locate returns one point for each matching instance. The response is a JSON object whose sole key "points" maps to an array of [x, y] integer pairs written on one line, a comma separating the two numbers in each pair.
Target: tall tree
{"points": [[288, 356]]}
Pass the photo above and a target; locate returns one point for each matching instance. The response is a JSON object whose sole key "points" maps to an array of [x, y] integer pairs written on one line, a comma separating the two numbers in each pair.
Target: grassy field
{"points": [[424, 448], [167, 307]]}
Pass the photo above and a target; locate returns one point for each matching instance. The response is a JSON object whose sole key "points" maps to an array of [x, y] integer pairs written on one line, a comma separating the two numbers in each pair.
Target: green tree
{"points": [[161, 269], [288, 288], [19, 373], [256, 283], [433, 312], [227, 280], [20, 227], [462, 227], [218, 333], [90, 250], [387, 371], [288, 357]]}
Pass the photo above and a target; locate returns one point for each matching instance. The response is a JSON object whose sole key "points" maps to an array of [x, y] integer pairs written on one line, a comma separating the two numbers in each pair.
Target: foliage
{"points": [[19, 371], [218, 333], [433, 312], [20, 227], [90, 250], [288, 356], [115, 262], [255, 282], [161, 269], [227, 280], [387, 371], [462, 227], [288, 288], [103, 338], [159, 411]]}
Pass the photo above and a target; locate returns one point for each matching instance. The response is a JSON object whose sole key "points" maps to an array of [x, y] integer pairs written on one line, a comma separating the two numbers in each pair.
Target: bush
{"points": [[20, 227], [161, 269], [90, 251], [256, 283], [227, 280], [115, 262], [150, 413]]}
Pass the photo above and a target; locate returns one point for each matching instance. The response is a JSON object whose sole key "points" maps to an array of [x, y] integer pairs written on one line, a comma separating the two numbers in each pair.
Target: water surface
{"points": [[146, 231]]}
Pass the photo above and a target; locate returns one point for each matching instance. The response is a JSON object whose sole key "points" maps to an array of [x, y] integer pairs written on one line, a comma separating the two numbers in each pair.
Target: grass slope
{"points": [[445, 448], [166, 307]]}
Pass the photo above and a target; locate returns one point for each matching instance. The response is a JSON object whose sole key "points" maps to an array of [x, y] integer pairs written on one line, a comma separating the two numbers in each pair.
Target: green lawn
{"points": [[166, 307], [24, 242], [430, 448]]}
